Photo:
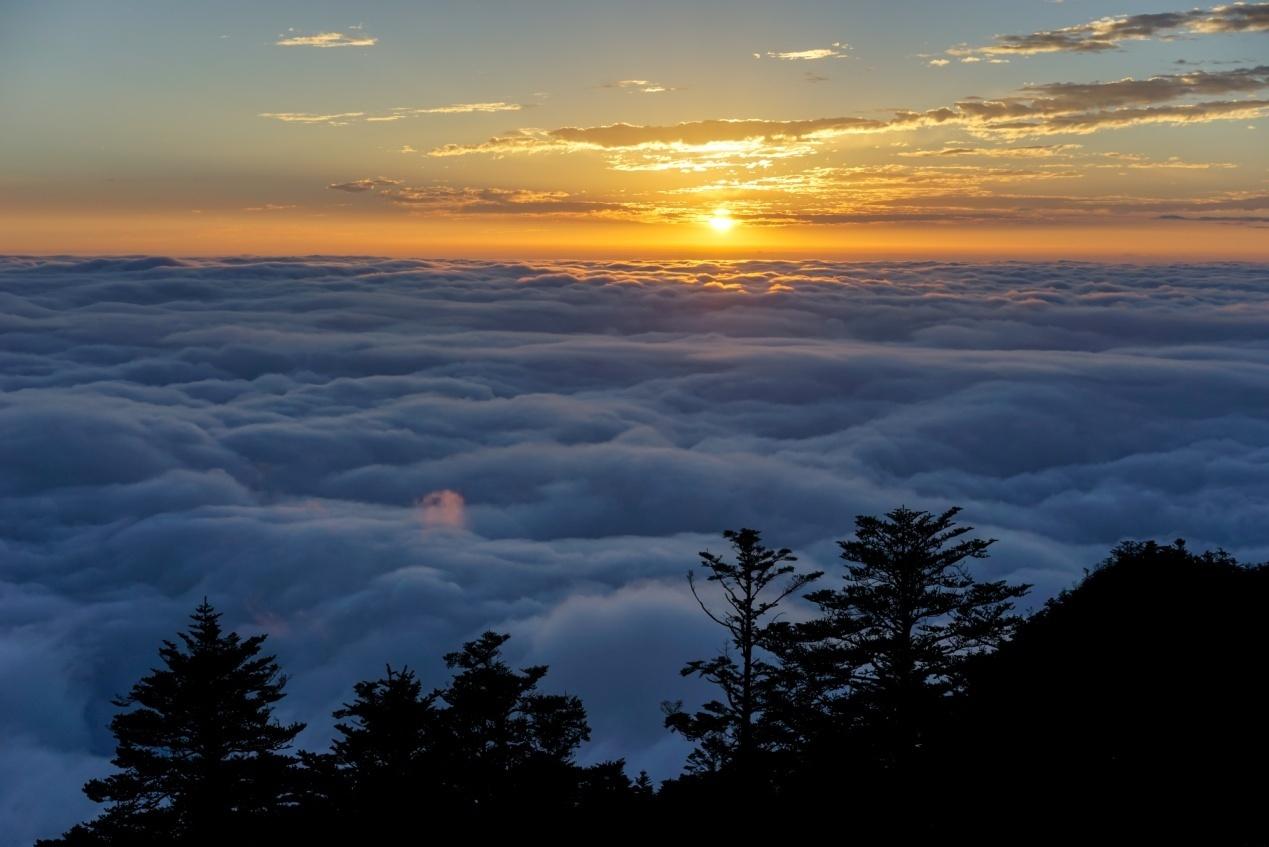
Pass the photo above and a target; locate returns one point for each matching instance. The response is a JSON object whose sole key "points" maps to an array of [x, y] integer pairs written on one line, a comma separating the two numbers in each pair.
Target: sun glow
{"points": [[722, 220]]}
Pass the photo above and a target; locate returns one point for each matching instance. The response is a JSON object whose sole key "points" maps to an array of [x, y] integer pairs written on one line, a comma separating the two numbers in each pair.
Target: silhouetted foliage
{"points": [[502, 744], [1134, 702], [1128, 708], [200, 758], [381, 761], [896, 634], [730, 733]]}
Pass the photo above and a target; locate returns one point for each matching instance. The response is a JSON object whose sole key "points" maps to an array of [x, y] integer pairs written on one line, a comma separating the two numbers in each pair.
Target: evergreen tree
{"points": [[382, 760], [643, 787], [200, 758], [730, 732], [504, 744], [901, 627]]}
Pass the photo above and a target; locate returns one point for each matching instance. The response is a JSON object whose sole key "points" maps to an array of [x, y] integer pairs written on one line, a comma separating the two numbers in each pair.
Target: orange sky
{"points": [[862, 131], [218, 234]]}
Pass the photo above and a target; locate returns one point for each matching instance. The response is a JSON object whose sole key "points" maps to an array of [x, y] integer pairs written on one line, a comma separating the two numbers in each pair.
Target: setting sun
{"points": [[722, 220]]}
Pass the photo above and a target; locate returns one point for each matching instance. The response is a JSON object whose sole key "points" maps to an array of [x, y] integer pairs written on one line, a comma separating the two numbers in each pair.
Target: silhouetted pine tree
{"points": [[503, 745], [201, 759], [381, 762], [729, 732], [901, 626], [643, 787]]}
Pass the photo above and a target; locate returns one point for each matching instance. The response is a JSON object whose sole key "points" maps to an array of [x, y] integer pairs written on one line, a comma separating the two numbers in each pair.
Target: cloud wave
{"points": [[373, 459]]}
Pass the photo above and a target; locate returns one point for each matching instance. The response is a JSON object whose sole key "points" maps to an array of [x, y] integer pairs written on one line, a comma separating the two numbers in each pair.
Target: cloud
{"points": [[1258, 221], [1032, 151], [278, 433], [397, 114], [1089, 122], [358, 186], [454, 200], [326, 39], [691, 145], [1059, 108], [459, 108], [837, 50], [1110, 33], [336, 119], [639, 86]]}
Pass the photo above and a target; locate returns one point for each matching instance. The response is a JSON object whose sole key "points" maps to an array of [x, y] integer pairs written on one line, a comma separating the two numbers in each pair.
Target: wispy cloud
{"points": [[1035, 151], [1037, 110], [291, 38], [455, 200], [459, 108], [397, 114], [337, 119], [692, 145], [1110, 32], [837, 50], [639, 86], [358, 186]]}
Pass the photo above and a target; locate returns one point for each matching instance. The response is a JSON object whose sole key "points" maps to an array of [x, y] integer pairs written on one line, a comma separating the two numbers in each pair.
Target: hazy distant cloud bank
{"points": [[375, 459]]}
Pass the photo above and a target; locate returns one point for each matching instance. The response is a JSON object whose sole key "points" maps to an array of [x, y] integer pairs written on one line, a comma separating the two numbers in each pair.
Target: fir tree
{"points": [[382, 759], [504, 744], [200, 758]]}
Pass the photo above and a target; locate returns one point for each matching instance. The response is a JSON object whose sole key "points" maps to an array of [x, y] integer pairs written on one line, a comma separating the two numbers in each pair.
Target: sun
{"points": [[722, 220]]}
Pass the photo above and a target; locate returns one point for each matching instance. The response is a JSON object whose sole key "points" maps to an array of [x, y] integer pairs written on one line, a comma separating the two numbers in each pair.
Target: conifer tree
{"points": [[503, 743], [907, 616], [643, 787], [382, 760], [200, 758], [730, 732]]}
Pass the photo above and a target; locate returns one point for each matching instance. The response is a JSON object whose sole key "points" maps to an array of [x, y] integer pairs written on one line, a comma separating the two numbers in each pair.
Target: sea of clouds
{"points": [[374, 460]]}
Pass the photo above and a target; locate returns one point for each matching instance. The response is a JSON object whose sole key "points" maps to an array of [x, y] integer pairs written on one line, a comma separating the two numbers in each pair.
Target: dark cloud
{"points": [[358, 186], [375, 459], [1064, 97], [1245, 220], [1110, 32]]}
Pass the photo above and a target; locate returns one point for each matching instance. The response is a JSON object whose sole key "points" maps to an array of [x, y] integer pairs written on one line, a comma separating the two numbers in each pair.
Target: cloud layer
{"points": [[1058, 108], [375, 459]]}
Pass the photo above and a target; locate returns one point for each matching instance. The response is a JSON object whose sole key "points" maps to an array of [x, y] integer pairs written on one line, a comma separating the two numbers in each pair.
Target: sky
{"points": [[1019, 128]]}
